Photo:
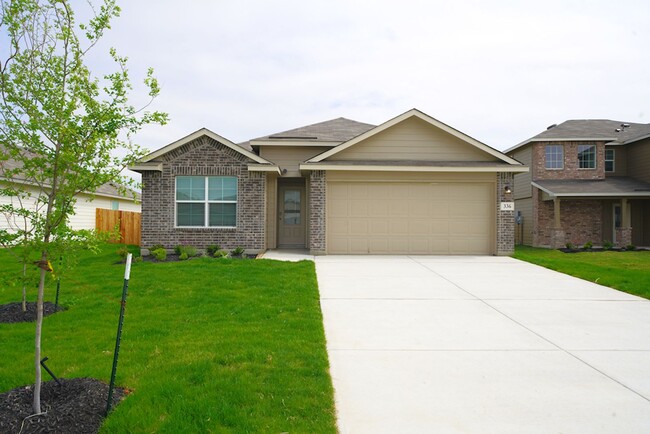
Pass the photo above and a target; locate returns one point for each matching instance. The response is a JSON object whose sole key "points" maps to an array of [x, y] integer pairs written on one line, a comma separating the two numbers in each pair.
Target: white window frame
{"points": [[612, 160], [205, 201], [546, 159], [595, 156]]}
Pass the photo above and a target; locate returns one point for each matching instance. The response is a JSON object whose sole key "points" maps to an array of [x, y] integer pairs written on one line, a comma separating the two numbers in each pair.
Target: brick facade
{"points": [[203, 157], [570, 170], [505, 219], [317, 222]]}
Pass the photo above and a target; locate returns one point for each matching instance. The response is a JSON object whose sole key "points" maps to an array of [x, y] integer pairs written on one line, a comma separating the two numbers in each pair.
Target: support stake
{"points": [[43, 360], [111, 386]]}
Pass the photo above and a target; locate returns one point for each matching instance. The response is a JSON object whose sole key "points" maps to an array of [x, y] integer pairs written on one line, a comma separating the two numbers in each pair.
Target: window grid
{"points": [[610, 165], [586, 156], [554, 157], [206, 201]]}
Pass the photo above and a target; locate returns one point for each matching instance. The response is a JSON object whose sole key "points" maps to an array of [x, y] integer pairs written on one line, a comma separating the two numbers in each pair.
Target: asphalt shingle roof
{"points": [[596, 128], [615, 185], [335, 130]]}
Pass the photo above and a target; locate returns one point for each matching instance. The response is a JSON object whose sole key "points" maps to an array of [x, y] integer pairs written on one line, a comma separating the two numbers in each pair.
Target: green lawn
{"points": [[209, 345], [626, 271]]}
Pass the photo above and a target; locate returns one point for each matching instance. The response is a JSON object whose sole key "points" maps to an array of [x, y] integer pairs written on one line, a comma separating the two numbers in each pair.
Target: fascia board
{"points": [[199, 133]]}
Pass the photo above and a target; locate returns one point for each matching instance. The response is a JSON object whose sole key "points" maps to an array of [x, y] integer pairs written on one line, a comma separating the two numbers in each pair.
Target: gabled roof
{"points": [[606, 130], [195, 135], [110, 189], [407, 115], [331, 132], [615, 186]]}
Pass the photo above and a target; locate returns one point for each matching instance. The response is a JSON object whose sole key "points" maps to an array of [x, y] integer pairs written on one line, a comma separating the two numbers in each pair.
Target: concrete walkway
{"points": [[481, 345]]}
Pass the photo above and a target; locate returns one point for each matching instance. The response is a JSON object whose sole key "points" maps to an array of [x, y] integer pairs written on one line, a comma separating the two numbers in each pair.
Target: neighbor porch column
{"points": [[624, 233], [558, 236]]}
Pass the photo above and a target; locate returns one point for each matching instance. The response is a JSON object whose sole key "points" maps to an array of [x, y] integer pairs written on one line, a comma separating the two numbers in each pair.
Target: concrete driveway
{"points": [[431, 344]]}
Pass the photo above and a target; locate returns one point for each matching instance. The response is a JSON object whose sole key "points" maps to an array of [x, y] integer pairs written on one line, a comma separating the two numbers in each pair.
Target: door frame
{"points": [[299, 183]]}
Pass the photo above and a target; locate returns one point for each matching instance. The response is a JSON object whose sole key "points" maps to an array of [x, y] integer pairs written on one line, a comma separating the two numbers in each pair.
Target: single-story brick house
{"points": [[589, 182], [411, 185]]}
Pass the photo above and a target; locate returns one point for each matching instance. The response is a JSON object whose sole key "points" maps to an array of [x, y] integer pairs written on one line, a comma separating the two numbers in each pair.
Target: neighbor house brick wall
{"points": [[505, 219], [581, 221], [317, 224], [571, 170], [203, 157]]}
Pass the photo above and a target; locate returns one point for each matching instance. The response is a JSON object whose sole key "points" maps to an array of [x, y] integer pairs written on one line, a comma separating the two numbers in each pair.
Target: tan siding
{"points": [[523, 187], [410, 176], [290, 157], [638, 160], [524, 231], [620, 161], [413, 139]]}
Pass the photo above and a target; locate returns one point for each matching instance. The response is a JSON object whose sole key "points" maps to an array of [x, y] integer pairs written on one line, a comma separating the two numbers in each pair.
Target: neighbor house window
{"points": [[586, 156], [554, 156], [609, 160], [115, 205], [206, 201]]}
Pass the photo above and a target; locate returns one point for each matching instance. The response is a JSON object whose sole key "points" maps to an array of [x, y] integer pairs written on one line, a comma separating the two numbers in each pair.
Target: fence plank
{"points": [[127, 223]]}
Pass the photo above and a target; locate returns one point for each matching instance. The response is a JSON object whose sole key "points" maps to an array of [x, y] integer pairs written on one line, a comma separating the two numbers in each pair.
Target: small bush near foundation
{"points": [[122, 252], [630, 247], [607, 245], [159, 254], [569, 246], [183, 256], [212, 249], [188, 250], [220, 254], [237, 251], [588, 245], [156, 247]]}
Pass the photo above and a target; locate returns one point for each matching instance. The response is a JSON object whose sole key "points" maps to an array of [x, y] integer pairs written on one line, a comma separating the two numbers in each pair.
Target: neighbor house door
{"points": [[291, 216]]}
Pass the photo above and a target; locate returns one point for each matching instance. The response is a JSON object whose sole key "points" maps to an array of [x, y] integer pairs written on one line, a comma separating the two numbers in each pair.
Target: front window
{"points": [[206, 201], [586, 156], [609, 160], [554, 156]]}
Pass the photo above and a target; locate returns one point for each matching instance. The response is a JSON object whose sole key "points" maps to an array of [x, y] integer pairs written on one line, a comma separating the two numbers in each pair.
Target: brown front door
{"points": [[291, 215]]}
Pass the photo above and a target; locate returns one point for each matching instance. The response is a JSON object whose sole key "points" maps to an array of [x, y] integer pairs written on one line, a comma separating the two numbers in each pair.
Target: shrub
{"points": [[212, 249], [189, 251], [588, 245], [156, 247], [183, 256], [569, 246], [607, 245], [138, 259], [237, 251], [122, 252], [630, 247], [159, 254], [220, 254]]}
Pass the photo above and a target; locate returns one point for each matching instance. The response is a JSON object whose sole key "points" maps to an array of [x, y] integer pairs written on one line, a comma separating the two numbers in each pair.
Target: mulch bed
{"points": [[78, 405], [13, 312]]}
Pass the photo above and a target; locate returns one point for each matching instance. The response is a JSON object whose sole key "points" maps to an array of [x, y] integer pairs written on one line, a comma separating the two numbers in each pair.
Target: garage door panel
{"points": [[410, 217]]}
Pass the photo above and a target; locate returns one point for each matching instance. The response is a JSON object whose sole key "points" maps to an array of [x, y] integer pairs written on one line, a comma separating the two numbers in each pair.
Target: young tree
{"points": [[60, 124]]}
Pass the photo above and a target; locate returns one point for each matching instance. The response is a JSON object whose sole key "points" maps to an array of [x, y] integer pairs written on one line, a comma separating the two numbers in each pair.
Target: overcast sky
{"points": [[500, 71]]}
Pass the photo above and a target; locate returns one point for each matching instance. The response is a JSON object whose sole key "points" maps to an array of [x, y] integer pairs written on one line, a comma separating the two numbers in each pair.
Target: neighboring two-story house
{"points": [[589, 181]]}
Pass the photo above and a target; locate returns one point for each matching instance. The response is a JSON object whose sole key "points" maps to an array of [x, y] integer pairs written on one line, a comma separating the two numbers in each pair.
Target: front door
{"points": [[616, 220], [291, 216]]}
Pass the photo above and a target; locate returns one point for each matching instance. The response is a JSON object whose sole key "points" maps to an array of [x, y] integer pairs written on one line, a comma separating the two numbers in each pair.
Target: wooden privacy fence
{"points": [[128, 223]]}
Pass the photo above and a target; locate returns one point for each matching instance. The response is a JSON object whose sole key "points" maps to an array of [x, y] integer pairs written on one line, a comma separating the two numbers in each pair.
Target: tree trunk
{"points": [[39, 327], [24, 287]]}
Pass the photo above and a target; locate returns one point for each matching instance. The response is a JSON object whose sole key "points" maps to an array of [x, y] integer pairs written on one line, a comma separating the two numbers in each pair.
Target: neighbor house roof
{"points": [[110, 189], [607, 130], [614, 186], [332, 132]]}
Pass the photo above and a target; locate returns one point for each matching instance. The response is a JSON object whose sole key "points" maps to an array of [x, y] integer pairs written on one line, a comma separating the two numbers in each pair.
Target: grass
{"points": [[625, 271], [209, 345]]}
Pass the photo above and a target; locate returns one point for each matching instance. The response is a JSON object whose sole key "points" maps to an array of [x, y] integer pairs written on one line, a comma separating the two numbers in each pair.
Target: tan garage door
{"points": [[410, 218]]}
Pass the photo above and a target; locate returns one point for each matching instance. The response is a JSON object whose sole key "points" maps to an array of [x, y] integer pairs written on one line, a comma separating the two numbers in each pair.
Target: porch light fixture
{"points": [[507, 190]]}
